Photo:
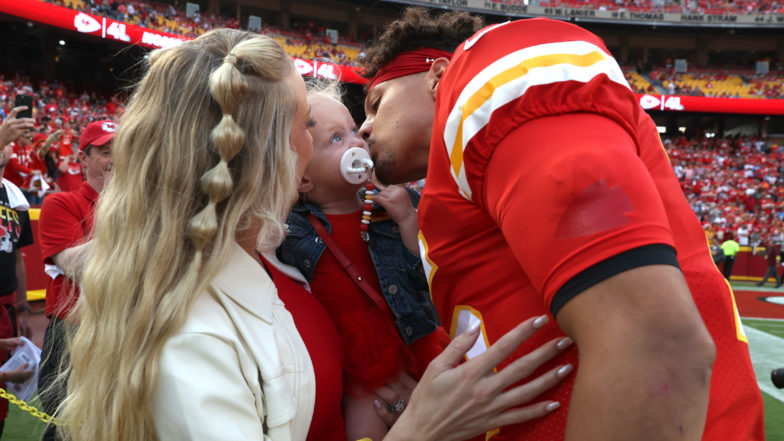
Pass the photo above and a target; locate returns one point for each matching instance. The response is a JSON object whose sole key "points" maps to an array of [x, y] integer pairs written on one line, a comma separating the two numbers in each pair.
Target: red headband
{"points": [[408, 63]]}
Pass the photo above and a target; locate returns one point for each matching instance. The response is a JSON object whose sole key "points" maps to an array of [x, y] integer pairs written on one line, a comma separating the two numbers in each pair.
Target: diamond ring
{"points": [[398, 407]]}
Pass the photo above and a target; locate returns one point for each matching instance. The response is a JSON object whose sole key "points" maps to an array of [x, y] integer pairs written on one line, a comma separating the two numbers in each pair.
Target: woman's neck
{"points": [[248, 238]]}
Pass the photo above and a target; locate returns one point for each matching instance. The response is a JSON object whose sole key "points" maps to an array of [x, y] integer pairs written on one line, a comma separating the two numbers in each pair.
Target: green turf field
{"points": [[21, 426], [773, 398]]}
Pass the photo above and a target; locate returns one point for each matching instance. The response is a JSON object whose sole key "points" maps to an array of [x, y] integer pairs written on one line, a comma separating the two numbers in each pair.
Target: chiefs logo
{"points": [[85, 23], [109, 126]]}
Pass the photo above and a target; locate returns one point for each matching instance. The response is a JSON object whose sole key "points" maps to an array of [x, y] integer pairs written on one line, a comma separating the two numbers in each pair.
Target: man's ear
{"points": [[434, 75], [305, 185]]}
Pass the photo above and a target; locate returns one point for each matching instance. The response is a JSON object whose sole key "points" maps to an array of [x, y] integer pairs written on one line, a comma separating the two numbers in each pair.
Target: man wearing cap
{"points": [[66, 219]]}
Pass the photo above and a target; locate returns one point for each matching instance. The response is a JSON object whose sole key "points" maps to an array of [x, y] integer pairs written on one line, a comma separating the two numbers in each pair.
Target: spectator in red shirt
{"points": [[66, 219]]}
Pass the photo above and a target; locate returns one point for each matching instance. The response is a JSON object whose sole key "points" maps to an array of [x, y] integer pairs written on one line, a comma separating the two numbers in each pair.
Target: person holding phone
{"points": [[16, 125], [25, 101]]}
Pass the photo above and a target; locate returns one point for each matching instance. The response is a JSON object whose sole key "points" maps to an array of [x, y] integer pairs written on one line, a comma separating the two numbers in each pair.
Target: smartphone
{"points": [[24, 100]]}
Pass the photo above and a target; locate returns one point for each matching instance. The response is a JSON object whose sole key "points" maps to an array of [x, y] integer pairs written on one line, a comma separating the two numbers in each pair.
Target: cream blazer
{"points": [[238, 369]]}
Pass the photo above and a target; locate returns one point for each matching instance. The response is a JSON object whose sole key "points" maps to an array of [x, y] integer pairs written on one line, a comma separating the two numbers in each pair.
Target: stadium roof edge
{"points": [[688, 20]]}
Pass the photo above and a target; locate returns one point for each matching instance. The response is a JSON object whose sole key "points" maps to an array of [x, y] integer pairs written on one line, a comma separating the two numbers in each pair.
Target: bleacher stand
{"points": [[731, 184]]}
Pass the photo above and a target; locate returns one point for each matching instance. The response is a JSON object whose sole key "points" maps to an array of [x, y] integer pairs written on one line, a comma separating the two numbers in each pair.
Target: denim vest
{"points": [[400, 273]]}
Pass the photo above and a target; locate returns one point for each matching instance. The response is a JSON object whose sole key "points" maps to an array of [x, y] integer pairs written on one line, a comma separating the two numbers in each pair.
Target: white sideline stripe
{"points": [[767, 353]]}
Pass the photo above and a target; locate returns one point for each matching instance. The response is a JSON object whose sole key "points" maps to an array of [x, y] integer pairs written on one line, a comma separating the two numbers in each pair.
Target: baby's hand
{"points": [[396, 202]]}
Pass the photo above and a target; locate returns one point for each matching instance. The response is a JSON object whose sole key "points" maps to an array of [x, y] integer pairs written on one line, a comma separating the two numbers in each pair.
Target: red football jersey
{"points": [[543, 167]]}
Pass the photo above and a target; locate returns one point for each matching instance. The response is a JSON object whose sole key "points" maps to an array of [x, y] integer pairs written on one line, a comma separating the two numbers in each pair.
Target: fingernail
{"points": [[564, 343], [564, 371], [552, 406], [539, 322], [473, 327], [377, 404]]}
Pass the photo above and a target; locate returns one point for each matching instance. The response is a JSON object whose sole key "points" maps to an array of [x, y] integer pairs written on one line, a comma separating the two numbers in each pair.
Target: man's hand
{"points": [[9, 344], [14, 127], [19, 375]]}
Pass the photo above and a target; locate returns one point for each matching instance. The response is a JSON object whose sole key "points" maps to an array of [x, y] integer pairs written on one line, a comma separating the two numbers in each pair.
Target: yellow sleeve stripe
{"points": [[508, 78]]}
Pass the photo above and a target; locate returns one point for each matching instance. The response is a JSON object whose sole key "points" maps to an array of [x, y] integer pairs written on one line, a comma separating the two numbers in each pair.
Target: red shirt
{"points": [[66, 143], [16, 172], [374, 352], [325, 351], [72, 178], [542, 164], [66, 219]]}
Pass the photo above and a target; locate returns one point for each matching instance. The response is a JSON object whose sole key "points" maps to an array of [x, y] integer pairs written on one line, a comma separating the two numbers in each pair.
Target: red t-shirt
{"points": [[373, 350], [325, 351], [66, 219], [66, 143], [542, 165], [16, 172], [71, 179]]}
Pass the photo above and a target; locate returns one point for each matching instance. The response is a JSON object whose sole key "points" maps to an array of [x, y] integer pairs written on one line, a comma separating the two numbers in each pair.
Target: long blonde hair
{"points": [[202, 148]]}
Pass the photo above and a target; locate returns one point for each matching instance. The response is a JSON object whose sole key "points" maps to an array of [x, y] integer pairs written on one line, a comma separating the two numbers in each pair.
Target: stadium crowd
{"points": [[717, 7], [734, 185], [708, 82], [39, 167]]}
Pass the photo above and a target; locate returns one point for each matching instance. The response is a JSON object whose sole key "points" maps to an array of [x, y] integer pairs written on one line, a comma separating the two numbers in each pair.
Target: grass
{"points": [[773, 327], [21, 426], [774, 408], [774, 418]]}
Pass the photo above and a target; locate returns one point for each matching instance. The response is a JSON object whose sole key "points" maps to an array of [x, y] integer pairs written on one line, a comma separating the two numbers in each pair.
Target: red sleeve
{"points": [[17, 170], [59, 226], [569, 192]]}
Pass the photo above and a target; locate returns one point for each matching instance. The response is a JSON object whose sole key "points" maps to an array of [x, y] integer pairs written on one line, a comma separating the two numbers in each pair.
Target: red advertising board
{"points": [[102, 27], [89, 24], [676, 103]]}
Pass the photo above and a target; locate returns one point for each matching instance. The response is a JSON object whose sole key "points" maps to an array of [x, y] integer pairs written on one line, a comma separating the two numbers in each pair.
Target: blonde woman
{"points": [[185, 331]]}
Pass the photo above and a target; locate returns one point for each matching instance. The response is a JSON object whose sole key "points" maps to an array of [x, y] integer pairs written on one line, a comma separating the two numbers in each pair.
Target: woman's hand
{"points": [[455, 402]]}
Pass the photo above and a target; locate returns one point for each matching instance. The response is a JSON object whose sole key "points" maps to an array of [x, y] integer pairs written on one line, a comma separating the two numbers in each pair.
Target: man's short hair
{"points": [[420, 28]]}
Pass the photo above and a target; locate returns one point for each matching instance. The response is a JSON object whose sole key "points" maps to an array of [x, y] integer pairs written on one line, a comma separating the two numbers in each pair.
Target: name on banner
{"points": [[158, 40]]}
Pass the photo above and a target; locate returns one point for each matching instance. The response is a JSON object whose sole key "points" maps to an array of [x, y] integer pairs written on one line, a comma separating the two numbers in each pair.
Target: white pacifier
{"points": [[355, 165]]}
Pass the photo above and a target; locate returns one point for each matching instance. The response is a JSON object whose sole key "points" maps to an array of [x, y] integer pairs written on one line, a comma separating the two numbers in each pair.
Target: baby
{"points": [[383, 312]]}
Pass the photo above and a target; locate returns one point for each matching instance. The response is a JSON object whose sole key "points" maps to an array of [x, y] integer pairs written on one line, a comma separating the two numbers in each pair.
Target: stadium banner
{"points": [[102, 27], [687, 18], [84, 23], [320, 69], [677, 103]]}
